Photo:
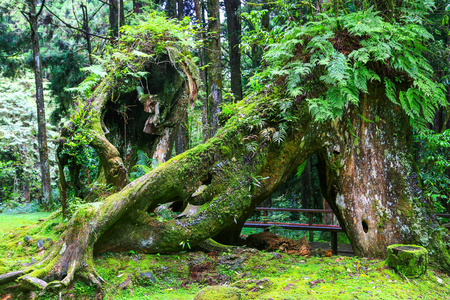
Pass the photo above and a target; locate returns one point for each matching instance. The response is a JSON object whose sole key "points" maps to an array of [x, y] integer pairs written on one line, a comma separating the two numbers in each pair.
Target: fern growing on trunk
{"points": [[331, 61]]}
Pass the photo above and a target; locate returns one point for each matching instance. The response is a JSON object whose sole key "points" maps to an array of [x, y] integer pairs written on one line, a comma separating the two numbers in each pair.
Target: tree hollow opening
{"points": [[365, 226]]}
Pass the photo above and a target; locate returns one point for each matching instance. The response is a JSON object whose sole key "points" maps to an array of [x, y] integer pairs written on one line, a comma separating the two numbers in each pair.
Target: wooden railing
{"points": [[446, 225], [334, 229], [443, 215], [311, 227]]}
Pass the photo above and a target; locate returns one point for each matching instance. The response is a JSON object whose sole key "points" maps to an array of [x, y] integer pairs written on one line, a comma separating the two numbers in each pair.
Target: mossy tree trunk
{"points": [[120, 124], [234, 181], [32, 16], [371, 180]]}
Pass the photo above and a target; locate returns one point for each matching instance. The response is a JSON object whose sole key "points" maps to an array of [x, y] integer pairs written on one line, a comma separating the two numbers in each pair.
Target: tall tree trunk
{"points": [[234, 38], [116, 16], [372, 184], [180, 9], [213, 71], [172, 8], [87, 35], [32, 17], [182, 140], [197, 10]]}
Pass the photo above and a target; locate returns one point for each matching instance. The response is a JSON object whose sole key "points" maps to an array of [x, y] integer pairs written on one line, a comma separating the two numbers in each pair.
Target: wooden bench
{"points": [[334, 229]]}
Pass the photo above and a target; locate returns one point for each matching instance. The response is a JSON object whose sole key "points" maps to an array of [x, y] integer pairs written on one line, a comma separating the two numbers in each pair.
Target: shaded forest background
{"points": [[75, 40]]}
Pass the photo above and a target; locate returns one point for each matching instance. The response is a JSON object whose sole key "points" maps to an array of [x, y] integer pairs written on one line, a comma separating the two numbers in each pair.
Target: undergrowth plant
{"points": [[434, 162]]}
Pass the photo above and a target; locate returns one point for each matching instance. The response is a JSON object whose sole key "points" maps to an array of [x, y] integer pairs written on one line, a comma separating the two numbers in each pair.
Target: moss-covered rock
{"points": [[218, 293], [409, 260]]}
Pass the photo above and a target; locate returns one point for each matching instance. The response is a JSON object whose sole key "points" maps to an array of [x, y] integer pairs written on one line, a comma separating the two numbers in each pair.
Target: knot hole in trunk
{"points": [[365, 226]]}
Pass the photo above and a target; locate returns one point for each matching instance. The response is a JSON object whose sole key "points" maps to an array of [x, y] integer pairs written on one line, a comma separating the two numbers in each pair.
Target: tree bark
{"points": [[180, 9], [213, 72], [32, 18], [87, 32], [172, 8], [372, 184], [182, 140], [234, 38], [116, 16]]}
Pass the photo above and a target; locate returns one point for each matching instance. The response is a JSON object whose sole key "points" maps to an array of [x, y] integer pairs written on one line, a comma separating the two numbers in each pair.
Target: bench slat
{"points": [[295, 226]]}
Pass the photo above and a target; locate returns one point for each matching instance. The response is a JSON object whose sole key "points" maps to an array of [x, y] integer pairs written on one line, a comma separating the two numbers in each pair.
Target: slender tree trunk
{"points": [[307, 200], [213, 71], [87, 30], [182, 140], [62, 184], [234, 38], [180, 8], [116, 16], [32, 17], [137, 6], [172, 8], [197, 10]]}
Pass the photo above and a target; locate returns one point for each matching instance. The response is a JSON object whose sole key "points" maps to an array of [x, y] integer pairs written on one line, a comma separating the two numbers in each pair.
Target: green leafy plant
{"points": [[185, 244], [143, 165], [340, 56], [434, 163]]}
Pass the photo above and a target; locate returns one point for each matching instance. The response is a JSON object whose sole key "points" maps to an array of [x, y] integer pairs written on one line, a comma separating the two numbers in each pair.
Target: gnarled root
{"points": [[72, 253]]}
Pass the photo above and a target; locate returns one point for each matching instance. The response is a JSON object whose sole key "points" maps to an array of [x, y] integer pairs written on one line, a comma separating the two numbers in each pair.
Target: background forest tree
{"points": [[277, 50]]}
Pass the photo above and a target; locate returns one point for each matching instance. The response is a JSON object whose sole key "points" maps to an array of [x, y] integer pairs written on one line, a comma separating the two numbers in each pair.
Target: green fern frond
{"points": [[390, 90], [337, 67], [366, 23], [360, 55], [342, 76]]}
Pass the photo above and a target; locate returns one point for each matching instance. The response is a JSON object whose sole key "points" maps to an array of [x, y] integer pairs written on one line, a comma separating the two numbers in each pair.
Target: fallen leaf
{"points": [[314, 282]]}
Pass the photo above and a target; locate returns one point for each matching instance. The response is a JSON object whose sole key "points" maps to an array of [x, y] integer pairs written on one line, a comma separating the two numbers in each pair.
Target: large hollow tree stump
{"points": [[408, 260]]}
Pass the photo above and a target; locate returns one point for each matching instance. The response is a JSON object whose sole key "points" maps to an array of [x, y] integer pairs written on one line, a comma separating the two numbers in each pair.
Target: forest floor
{"points": [[257, 274]]}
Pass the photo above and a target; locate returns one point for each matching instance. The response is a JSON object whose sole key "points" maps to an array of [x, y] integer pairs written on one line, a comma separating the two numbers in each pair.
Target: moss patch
{"points": [[408, 260], [219, 293]]}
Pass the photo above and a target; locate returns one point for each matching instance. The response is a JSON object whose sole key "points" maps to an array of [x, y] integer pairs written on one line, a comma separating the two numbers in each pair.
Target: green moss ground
{"points": [[14, 251], [259, 275]]}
